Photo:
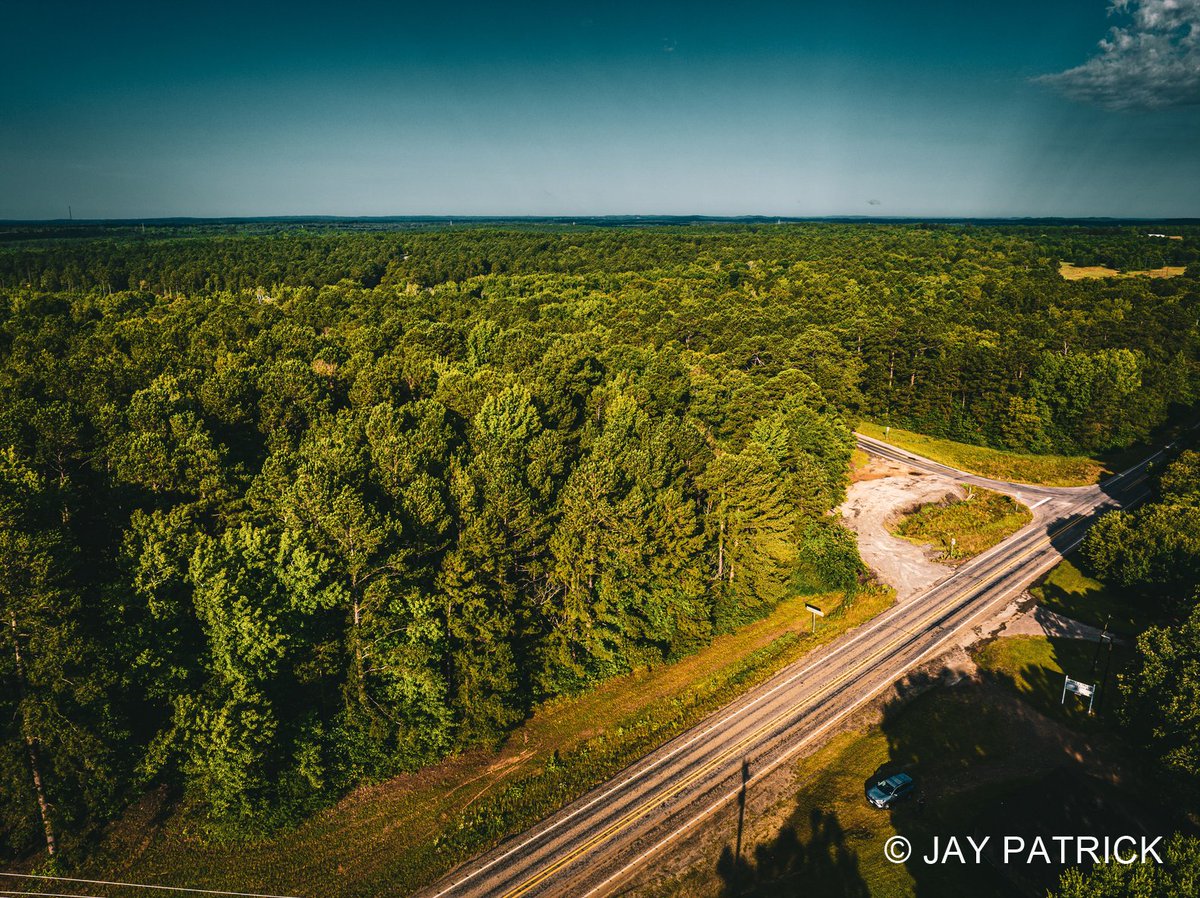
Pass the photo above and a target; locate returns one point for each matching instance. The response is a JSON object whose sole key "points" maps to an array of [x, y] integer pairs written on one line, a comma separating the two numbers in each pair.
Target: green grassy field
{"points": [[396, 836], [1070, 592], [1033, 667], [962, 528], [1046, 470], [937, 740]]}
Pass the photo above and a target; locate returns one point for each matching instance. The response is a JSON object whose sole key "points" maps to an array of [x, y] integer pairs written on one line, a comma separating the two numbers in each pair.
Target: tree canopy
{"points": [[287, 509]]}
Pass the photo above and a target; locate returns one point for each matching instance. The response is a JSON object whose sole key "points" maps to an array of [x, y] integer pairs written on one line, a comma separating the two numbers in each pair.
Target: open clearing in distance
{"points": [[1081, 272]]}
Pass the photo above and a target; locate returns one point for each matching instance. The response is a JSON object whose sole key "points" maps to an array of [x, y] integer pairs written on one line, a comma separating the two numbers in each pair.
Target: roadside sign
{"points": [[815, 612], [1083, 690]]}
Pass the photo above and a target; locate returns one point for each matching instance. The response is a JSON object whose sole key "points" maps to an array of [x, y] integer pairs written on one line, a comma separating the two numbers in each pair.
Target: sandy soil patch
{"points": [[887, 492], [1039, 621]]}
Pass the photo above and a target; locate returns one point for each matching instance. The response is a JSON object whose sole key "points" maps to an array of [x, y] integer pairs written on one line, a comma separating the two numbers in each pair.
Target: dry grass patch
{"points": [[394, 837], [858, 464], [1081, 272]]}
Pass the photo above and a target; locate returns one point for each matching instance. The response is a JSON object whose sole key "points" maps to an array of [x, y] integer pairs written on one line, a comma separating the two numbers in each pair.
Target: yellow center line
{"points": [[633, 815]]}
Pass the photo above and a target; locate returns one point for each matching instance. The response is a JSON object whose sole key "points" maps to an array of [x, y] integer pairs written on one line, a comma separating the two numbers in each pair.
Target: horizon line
{"points": [[604, 217]]}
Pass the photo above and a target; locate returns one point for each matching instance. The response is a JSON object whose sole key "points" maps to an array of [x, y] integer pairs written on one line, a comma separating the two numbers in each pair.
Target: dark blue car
{"points": [[886, 792]]}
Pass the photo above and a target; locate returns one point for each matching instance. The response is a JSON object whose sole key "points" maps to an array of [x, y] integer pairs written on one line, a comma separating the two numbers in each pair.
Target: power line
{"points": [[140, 885]]}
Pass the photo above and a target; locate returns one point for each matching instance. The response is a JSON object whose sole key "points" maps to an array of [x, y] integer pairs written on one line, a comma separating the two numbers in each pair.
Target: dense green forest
{"points": [[284, 511], [1152, 554]]}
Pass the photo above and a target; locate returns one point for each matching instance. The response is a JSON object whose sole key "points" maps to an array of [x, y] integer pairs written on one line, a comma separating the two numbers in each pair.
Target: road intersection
{"points": [[597, 842]]}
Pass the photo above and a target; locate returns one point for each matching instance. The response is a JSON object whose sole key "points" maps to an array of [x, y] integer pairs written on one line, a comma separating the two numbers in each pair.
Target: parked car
{"points": [[886, 792]]}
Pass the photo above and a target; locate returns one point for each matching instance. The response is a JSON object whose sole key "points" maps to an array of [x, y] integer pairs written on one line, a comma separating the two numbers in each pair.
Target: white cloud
{"points": [[1149, 62]]}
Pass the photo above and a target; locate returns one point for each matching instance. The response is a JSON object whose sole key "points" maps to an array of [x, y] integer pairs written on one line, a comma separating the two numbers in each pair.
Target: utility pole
{"points": [[1096, 654], [1107, 665]]}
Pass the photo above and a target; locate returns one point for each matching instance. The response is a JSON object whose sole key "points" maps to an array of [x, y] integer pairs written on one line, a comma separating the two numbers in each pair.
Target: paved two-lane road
{"points": [[595, 843]]}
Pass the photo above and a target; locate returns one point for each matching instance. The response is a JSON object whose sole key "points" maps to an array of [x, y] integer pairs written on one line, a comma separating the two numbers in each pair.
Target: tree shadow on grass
{"points": [[817, 865], [1040, 681], [988, 765]]}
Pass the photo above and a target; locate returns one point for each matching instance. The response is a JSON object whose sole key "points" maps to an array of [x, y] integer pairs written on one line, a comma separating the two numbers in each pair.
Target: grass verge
{"points": [[1068, 591], [962, 528], [858, 461], [1034, 666], [991, 756], [397, 836], [1017, 467]]}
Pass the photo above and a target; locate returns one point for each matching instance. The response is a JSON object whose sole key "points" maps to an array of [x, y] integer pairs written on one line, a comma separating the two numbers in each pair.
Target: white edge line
{"points": [[1066, 490], [840, 716], [1141, 464]]}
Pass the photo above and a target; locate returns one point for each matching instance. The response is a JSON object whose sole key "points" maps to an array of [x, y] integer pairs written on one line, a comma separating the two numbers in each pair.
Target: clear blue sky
{"points": [[884, 108]]}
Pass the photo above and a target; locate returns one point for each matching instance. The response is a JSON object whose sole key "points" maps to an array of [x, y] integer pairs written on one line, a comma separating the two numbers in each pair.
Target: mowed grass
{"points": [[1034, 668], [1069, 591], [858, 461], [1015, 467], [1072, 272], [962, 528], [398, 836]]}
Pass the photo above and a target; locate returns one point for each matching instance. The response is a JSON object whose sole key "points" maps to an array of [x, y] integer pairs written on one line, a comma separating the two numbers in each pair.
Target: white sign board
{"points": [[1084, 689], [815, 610]]}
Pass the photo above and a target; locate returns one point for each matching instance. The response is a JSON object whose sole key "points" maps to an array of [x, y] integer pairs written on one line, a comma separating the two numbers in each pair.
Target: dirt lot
{"points": [[882, 492]]}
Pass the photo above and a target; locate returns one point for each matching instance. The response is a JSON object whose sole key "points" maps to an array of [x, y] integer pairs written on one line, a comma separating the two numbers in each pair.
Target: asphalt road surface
{"points": [[594, 844]]}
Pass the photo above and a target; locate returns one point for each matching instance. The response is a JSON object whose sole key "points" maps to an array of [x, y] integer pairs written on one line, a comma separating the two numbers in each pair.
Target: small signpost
{"points": [[816, 612], [1083, 690]]}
